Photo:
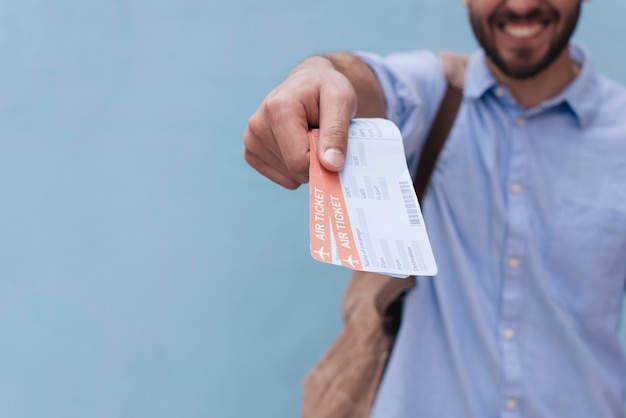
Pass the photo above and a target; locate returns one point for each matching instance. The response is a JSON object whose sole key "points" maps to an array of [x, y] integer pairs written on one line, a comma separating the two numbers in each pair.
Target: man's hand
{"points": [[315, 94]]}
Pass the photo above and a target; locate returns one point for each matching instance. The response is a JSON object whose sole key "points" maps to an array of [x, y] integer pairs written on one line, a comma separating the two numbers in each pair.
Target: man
{"points": [[526, 212]]}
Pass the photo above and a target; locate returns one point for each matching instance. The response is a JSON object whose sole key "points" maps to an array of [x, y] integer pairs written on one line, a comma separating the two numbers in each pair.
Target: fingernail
{"points": [[334, 157]]}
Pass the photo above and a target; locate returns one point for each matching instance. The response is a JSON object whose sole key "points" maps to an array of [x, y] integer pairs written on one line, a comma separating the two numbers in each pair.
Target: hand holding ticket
{"points": [[367, 217]]}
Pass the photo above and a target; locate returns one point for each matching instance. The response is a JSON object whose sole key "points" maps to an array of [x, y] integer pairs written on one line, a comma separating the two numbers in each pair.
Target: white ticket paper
{"points": [[367, 217]]}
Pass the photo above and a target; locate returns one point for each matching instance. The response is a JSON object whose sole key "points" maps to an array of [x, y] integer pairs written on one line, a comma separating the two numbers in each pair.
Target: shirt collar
{"points": [[582, 95], [478, 78]]}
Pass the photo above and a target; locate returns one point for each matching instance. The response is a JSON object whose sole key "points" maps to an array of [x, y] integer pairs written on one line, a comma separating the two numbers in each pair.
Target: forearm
{"points": [[371, 101]]}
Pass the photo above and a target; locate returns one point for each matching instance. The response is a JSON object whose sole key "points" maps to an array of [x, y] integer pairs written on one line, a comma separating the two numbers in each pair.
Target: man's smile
{"points": [[522, 30]]}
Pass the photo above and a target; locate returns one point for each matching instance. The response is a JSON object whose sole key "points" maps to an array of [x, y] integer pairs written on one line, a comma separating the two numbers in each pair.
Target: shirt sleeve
{"points": [[413, 85]]}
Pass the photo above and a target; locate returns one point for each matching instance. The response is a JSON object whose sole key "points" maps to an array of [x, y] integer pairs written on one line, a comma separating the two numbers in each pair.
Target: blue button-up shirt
{"points": [[526, 213]]}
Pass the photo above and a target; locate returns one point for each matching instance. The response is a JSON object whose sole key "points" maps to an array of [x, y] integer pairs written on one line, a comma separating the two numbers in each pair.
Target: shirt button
{"points": [[508, 333], [521, 121], [511, 403], [499, 91], [516, 188], [513, 262]]}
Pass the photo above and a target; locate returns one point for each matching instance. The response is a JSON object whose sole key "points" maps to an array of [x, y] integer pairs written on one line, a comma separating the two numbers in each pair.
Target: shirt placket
{"points": [[508, 337]]}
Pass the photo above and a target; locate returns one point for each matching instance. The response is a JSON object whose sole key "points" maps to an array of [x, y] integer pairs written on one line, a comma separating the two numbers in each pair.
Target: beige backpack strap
{"points": [[454, 70], [454, 66]]}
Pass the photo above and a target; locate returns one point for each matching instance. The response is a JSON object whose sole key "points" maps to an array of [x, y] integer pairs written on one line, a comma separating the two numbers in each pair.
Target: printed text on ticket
{"points": [[367, 217]]}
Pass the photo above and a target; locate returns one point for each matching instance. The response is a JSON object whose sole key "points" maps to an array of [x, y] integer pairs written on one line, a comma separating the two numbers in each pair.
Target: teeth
{"points": [[522, 31]]}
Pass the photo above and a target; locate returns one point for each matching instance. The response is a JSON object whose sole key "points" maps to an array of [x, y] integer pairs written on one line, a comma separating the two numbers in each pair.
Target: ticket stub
{"points": [[367, 217]]}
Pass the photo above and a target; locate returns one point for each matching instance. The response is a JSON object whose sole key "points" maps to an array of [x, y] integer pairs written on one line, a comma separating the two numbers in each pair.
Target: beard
{"points": [[529, 69]]}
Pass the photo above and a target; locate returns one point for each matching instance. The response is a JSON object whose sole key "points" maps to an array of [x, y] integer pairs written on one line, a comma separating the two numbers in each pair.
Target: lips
{"points": [[522, 30], [523, 26]]}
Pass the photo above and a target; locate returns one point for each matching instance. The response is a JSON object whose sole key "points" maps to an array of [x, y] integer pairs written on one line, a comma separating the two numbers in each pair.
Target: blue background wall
{"points": [[145, 270]]}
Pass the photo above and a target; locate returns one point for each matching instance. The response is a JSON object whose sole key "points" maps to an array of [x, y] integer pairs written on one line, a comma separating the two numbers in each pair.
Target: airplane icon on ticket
{"points": [[322, 254], [351, 261]]}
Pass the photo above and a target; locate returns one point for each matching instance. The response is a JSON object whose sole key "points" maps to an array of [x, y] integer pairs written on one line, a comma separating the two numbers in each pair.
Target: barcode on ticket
{"points": [[410, 202]]}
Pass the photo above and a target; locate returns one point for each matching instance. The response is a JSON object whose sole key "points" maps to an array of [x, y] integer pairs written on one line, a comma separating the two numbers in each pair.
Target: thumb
{"points": [[338, 103], [332, 145]]}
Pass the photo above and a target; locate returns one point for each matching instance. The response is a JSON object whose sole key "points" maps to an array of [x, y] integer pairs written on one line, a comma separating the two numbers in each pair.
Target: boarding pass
{"points": [[367, 217]]}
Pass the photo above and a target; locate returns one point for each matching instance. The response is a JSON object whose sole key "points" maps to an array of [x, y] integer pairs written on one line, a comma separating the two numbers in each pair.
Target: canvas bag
{"points": [[344, 382]]}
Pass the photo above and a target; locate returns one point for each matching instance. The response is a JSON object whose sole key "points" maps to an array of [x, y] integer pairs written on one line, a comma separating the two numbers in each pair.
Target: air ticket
{"points": [[367, 217]]}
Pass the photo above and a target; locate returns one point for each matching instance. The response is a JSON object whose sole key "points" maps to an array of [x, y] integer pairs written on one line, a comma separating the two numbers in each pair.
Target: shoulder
{"points": [[597, 100], [408, 72], [612, 93], [612, 104], [409, 79], [413, 62]]}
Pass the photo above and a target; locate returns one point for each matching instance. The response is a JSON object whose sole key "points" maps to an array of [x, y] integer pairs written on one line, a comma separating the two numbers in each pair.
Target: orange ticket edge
{"points": [[335, 211], [319, 222]]}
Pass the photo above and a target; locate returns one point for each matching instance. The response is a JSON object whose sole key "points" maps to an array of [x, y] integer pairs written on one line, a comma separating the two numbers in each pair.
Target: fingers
{"points": [[262, 152], [276, 139], [270, 172], [288, 118]]}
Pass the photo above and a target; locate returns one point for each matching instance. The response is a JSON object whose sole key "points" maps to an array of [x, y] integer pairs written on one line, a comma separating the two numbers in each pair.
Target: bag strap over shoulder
{"points": [[454, 71], [454, 68]]}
